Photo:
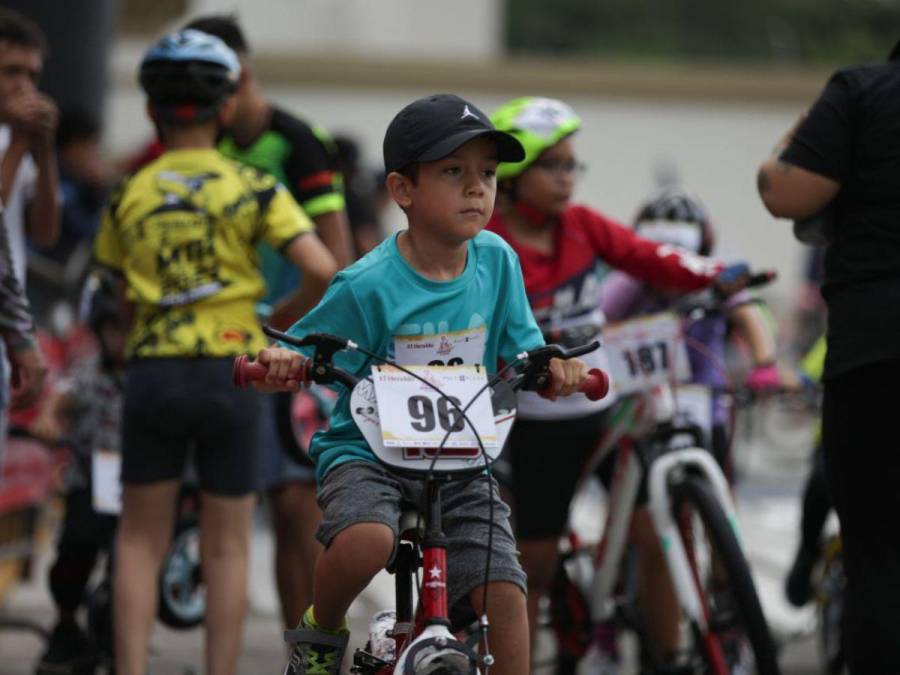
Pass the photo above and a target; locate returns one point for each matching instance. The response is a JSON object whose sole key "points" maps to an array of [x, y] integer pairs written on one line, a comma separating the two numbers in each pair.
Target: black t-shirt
{"points": [[852, 135]]}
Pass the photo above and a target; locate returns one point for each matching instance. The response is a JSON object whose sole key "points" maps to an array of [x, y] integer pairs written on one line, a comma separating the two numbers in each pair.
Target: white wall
{"points": [[461, 29], [715, 147]]}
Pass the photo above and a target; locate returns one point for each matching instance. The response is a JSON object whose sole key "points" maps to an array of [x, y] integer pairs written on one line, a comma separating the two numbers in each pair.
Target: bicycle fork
{"points": [[684, 579]]}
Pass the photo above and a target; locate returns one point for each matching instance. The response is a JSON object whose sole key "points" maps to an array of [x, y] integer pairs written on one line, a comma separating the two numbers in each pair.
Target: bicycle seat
{"points": [[412, 525]]}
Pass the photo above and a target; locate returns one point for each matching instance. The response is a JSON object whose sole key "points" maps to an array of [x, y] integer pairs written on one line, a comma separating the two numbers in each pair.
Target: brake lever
{"points": [[542, 355], [324, 344]]}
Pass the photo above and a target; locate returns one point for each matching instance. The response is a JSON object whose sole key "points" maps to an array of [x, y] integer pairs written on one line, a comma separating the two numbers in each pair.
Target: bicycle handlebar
{"points": [[713, 301], [761, 278], [246, 371], [595, 385]]}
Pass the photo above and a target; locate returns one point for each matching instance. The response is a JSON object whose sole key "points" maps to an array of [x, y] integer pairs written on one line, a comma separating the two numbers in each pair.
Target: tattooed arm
{"points": [[789, 191]]}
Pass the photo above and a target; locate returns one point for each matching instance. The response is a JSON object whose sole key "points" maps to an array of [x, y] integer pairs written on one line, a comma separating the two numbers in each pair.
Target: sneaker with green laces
{"points": [[315, 650]]}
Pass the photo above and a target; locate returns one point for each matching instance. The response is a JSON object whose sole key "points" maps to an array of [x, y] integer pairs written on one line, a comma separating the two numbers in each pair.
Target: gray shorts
{"points": [[365, 492]]}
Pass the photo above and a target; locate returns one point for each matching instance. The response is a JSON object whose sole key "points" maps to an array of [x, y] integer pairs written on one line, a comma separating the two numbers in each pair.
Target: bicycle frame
{"points": [[632, 463], [430, 627], [426, 641]]}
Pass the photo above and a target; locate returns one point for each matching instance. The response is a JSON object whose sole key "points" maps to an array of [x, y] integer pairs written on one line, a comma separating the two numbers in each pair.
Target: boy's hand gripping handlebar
{"points": [[318, 369], [535, 374]]}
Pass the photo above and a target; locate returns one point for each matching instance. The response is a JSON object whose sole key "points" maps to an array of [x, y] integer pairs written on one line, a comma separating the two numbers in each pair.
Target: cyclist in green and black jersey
{"points": [[302, 157]]}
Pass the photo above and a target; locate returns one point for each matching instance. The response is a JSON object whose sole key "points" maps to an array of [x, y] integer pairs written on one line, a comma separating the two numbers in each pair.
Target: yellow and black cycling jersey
{"points": [[183, 231]]}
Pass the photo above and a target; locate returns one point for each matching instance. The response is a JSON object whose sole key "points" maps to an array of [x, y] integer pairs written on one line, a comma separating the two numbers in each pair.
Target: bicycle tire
{"points": [[182, 604], [569, 619], [696, 492]]}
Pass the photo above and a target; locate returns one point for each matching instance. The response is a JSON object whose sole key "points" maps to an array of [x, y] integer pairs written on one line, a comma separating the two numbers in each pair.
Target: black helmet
{"points": [[188, 74], [674, 216]]}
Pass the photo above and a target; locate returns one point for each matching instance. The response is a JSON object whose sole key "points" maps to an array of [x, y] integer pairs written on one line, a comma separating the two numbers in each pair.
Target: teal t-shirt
{"points": [[386, 307]]}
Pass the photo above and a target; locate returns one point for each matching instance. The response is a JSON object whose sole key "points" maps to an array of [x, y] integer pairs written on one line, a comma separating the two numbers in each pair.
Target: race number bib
{"points": [[456, 348], [413, 415], [106, 466], [646, 352]]}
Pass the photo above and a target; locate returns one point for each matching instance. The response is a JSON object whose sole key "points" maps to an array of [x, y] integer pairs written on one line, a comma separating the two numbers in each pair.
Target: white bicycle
{"points": [[660, 429]]}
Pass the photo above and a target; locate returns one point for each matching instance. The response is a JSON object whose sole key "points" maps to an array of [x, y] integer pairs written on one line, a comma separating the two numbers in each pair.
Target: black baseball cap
{"points": [[435, 126]]}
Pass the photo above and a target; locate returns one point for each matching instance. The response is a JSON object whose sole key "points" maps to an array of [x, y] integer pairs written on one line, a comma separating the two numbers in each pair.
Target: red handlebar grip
{"points": [[596, 386], [246, 371]]}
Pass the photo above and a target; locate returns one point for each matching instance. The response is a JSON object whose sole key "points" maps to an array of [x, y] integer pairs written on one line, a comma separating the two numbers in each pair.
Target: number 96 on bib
{"points": [[414, 415]]}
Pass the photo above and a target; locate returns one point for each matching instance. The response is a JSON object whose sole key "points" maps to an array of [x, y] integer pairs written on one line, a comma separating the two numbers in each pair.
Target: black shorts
{"points": [[546, 458], [173, 406]]}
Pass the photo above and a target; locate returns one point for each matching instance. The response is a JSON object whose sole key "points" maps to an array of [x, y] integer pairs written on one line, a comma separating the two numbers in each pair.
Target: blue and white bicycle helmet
{"points": [[188, 74]]}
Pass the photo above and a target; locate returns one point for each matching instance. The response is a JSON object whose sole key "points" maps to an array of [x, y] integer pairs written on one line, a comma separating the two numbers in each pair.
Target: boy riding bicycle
{"points": [[444, 277]]}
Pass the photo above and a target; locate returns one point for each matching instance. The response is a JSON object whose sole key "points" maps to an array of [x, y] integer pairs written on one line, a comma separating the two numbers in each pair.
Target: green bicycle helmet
{"points": [[538, 124]]}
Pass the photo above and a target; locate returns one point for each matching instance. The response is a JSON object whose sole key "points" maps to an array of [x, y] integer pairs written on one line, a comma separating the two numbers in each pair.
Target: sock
{"points": [[309, 618]]}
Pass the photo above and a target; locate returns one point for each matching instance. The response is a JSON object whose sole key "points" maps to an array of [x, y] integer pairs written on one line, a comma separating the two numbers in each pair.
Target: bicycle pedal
{"points": [[364, 662]]}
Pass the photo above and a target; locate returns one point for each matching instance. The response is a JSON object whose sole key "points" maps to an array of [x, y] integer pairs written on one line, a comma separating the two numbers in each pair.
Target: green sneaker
{"points": [[315, 651]]}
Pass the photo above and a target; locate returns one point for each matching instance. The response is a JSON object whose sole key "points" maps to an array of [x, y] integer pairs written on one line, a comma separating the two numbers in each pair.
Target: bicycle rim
{"points": [[182, 599], [737, 638]]}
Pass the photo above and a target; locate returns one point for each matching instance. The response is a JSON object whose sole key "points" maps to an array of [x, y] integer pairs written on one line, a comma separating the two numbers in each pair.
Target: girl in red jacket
{"points": [[560, 245]]}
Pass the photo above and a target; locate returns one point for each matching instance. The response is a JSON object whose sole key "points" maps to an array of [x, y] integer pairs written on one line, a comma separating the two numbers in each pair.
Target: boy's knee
{"points": [[369, 544]]}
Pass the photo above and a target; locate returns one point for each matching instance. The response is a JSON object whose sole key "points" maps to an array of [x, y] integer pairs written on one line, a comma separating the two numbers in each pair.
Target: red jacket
{"points": [[564, 286]]}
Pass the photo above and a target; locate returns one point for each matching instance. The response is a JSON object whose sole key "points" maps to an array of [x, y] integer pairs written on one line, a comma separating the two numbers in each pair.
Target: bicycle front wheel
{"points": [[737, 638]]}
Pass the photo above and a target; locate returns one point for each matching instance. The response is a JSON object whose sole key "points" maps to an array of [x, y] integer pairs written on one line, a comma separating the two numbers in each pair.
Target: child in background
{"points": [[180, 234], [560, 244], [675, 217], [85, 408]]}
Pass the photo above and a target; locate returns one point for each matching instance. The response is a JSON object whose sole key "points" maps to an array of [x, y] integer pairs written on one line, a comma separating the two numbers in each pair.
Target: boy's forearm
{"points": [[43, 214]]}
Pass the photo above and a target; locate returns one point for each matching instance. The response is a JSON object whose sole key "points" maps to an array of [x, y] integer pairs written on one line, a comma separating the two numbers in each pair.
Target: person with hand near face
{"points": [[28, 119], [28, 193]]}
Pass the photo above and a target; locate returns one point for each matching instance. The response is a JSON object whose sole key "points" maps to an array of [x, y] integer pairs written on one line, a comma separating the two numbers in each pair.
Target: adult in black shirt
{"points": [[844, 158]]}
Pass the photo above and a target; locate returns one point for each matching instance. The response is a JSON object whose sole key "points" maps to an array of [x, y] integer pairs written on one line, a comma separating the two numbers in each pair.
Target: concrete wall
{"points": [[713, 126], [459, 29]]}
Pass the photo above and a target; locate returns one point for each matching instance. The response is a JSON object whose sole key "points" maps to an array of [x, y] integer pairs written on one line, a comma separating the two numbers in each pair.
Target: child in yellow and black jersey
{"points": [[182, 233]]}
